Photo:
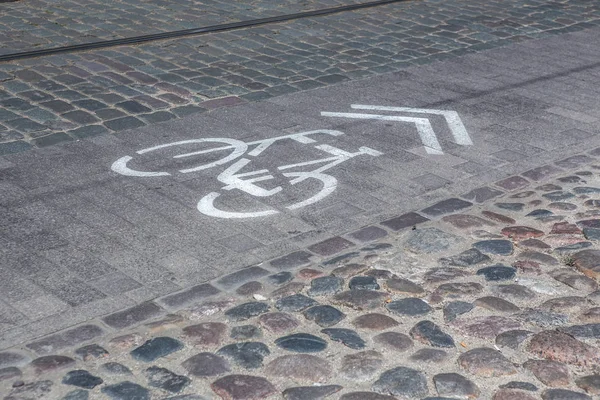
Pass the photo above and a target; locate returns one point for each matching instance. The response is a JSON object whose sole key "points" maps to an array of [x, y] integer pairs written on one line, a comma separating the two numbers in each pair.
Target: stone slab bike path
{"points": [[80, 241]]}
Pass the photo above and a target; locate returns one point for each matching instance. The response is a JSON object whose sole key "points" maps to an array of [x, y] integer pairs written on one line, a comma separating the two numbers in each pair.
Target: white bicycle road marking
{"points": [[246, 182], [239, 154]]}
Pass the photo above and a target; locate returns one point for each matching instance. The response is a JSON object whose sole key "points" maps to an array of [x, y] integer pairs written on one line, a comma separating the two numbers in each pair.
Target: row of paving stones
{"points": [[496, 300], [68, 97]]}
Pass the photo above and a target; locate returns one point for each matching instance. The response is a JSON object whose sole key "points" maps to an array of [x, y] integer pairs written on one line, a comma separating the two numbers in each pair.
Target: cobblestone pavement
{"points": [[31, 25], [497, 299], [73, 96]]}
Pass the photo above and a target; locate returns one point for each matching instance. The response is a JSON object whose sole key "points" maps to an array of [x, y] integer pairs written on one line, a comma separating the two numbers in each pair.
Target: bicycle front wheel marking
{"points": [[206, 206]]}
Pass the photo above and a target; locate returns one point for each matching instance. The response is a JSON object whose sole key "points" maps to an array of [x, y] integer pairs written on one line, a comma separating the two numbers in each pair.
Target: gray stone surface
{"points": [[295, 302], [167, 380], [247, 310], [497, 247], [455, 385], [466, 258], [456, 308]]}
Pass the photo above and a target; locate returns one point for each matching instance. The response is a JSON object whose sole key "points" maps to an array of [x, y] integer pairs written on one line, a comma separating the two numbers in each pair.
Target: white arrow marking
{"points": [[461, 136], [432, 146]]}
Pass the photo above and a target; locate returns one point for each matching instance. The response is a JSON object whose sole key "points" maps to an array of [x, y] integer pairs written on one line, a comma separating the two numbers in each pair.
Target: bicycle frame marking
{"points": [[234, 179]]}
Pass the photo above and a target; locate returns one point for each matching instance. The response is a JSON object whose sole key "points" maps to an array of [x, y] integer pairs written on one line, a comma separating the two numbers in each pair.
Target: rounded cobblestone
{"points": [[300, 367], [550, 373], [486, 362], [205, 365], [361, 366], [302, 343], [558, 346], [242, 387], [455, 385], [402, 381], [431, 334], [374, 321], [278, 322], [324, 316]]}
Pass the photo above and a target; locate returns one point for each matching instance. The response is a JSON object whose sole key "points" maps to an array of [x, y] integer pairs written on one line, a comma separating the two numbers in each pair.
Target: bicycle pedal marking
{"points": [[236, 153]]}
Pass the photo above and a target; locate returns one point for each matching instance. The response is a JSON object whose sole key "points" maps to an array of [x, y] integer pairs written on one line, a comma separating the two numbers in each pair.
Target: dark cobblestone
{"points": [[326, 285], [246, 311], [125, 390], [81, 378], [512, 339], [248, 355], [363, 283], [347, 337], [402, 381], [302, 343], [294, 303], [456, 308], [156, 348], [429, 333], [409, 307], [206, 364], [310, 392], [324, 316]]}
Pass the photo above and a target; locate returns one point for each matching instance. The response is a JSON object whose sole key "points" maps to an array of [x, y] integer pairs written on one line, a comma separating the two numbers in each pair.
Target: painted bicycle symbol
{"points": [[240, 153]]}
